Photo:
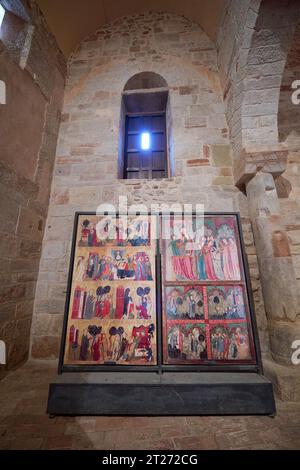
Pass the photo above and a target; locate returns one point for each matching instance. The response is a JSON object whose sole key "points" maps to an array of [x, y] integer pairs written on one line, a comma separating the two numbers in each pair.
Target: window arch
{"points": [[145, 81], [145, 128]]}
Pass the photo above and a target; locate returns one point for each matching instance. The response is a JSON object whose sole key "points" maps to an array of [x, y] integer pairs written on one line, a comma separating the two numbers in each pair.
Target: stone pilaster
{"points": [[277, 273]]}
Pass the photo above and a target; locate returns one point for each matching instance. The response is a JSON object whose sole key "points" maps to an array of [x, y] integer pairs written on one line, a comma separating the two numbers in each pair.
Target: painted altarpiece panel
{"points": [[154, 290], [205, 306], [112, 305]]}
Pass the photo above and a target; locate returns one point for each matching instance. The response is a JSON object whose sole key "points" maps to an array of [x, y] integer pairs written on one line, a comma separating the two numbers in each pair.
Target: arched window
{"points": [[144, 137]]}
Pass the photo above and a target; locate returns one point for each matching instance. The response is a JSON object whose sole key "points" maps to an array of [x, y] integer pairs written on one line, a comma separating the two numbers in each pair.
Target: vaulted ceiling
{"points": [[73, 20]]}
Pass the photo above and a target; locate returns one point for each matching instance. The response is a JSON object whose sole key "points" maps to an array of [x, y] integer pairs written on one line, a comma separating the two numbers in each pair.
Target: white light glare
{"points": [[145, 141], [2, 13]]}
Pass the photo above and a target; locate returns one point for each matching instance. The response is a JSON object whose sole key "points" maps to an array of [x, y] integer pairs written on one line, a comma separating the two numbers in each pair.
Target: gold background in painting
{"points": [[82, 324]]}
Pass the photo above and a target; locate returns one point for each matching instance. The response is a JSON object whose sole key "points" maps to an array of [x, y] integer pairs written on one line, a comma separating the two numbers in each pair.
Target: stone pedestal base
{"points": [[180, 394], [285, 379]]}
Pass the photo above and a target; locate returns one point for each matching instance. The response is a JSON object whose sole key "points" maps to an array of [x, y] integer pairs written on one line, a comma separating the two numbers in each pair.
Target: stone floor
{"points": [[24, 424]]}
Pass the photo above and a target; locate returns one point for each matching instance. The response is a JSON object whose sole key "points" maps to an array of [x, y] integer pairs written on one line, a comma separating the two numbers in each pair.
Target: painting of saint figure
{"points": [[226, 303], [99, 231], [112, 344], [186, 342], [207, 253], [184, 302], [230, 342]]}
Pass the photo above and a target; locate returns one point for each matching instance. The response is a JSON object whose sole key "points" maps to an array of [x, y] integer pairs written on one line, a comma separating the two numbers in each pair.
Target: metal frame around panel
{"points": [[62, 367], [215, 366], [160, 367]]}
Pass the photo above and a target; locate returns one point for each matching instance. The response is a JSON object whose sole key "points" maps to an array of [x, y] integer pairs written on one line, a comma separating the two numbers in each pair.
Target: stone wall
{"points": [[258, 56], [86, 166], [33, 70], [288, 186], [253, 44], [233, 44]]}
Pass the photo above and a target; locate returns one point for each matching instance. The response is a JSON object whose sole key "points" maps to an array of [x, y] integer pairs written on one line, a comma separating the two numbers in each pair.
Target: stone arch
{"points": [[289, 111], [186, 59], [145, 81], [253, 77], [270, 43], [234, 41]]}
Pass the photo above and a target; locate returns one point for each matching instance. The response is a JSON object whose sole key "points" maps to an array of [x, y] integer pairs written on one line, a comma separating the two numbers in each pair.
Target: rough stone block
{"points": [[47, 324], [89, 194], [30, 224], [286, 380], [223, 180], [227, 171], [59, 228], [221, 155], [8, 245], [267, 53], [271, 238], [45, 347], [60, 196], [29, 249], [39, 67], [24, 309], [9, 211], [282, 336], [23, 117], [8, 310], [12, 292], [198, 162], [199, 121], [21, 265], [188, 90], [280, 302], [54, 249]]}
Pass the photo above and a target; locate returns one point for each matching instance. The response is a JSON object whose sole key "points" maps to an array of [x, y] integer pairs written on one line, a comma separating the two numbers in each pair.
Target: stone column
{"points": [[278, 280]]}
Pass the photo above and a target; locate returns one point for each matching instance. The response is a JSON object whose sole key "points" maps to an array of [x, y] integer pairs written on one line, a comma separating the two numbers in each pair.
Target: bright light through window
{"points": [[2, 13], [145, 141]]}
